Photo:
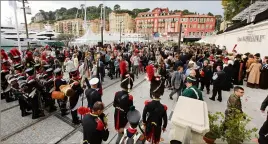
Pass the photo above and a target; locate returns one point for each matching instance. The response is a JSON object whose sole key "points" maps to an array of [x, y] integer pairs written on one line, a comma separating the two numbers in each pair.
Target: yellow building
{"points": [[124, 19], [95, 25], [70, 26]]}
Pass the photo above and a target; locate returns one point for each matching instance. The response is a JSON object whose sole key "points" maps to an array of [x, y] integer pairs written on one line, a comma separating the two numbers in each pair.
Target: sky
{"points": [[201, 7]]}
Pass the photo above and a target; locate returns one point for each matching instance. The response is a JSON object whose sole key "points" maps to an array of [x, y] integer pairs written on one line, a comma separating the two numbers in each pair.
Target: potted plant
{"points": [[215, 127], [236, 128]]}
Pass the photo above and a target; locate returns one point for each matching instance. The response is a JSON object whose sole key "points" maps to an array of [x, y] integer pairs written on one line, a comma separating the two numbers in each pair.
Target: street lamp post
{"points": [[179, 40], [120, 30], [25, 19]]}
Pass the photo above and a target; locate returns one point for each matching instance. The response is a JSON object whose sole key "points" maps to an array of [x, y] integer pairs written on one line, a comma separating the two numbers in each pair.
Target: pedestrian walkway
{"points": [[53, 128]]}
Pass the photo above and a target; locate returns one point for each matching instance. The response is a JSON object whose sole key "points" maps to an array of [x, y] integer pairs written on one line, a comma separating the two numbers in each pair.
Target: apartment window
{"points": [[203, 26], [211, 19], [198, 33], [185, 26], [191, 19], [198, 26], [194, 25], [190, 33], [194, 19], [176, 19], [207, 26], [190, 26], [182, 19], [193, 33], [210, 26]]}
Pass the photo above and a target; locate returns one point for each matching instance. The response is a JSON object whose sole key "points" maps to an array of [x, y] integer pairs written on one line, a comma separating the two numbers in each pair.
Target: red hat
{"points": [[4, 56], [15, 52]]}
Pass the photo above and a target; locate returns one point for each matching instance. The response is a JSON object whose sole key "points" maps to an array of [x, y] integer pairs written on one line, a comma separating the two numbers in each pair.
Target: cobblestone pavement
{"points": [[53, 128]]}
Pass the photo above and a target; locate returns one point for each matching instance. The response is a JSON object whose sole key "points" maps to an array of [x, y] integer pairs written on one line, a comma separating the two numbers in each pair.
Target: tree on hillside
{"points": [[177, 10], [233, 7], [66, 38], [210, 14], [117, 7], [218, 22]]}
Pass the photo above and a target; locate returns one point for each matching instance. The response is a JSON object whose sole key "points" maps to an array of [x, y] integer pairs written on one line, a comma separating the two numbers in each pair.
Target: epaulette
{"points": [[130, 97], [147, 102], [100, 125], [165, 107]]}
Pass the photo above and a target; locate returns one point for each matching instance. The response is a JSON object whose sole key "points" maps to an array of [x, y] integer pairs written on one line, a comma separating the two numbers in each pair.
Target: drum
{"points": [[67, 90], [57, 95]]}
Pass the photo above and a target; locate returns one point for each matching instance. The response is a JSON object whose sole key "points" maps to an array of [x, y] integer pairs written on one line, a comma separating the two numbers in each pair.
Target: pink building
{"points": [[165, 22]]}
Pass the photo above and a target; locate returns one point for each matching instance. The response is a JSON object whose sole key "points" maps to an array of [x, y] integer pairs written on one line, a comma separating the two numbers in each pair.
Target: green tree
{"points": [[233, 7], [210, 14], [117, 7], [218, 22], [66, 38]]}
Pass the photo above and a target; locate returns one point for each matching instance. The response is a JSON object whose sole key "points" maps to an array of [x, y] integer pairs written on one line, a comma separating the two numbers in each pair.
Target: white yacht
{"points": [[9, 37]]}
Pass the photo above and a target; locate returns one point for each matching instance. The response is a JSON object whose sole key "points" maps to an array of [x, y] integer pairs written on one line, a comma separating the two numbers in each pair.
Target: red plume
{"points": [[4, 55], [123, 67], [44, 56], [83, 110], [13, 53], [150, 72], [29, 54], [17, 52]]}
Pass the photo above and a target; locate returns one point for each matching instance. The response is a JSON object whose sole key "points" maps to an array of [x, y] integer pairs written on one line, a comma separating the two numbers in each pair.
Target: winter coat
{"points": [[254, 73]]}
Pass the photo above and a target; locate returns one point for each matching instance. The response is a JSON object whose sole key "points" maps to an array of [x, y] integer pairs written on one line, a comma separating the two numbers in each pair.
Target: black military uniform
{"points": [[122, 103], [29, 60], [92, 94], [58, 82], [263, 133], [18, 90], [5, 87], [131, 134], [49, 87], [38, 70], [154, 113], [34, 91], [78, 90], [94, 130]]}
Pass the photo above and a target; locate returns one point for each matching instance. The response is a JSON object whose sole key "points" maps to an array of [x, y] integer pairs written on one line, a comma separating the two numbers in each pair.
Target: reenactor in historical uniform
{"points": [[49, 87], [58, 82], [29, 61], [5, 70], [154, 113], [94, 129], [19, 71], [92, 93], [131, 134], [17, 89], [122, 103], [263, 133], [34, 91], [78, 90], [15, 56], [38, 70], [191, 90]]}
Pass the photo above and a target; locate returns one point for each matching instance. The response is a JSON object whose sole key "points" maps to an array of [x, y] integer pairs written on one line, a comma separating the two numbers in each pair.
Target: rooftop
{"points": [[252, 11]]}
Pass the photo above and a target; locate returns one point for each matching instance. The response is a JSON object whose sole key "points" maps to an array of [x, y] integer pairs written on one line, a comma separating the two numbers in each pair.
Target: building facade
{"points": [[71, 26], [167, 23], [95, 25], [123, 20]]}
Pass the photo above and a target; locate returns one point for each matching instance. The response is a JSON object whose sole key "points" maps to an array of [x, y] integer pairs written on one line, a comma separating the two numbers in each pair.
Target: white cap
{"points": [[93, 81]]}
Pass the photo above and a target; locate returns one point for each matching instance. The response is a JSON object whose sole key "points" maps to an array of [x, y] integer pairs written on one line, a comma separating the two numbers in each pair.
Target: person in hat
{"points": [[122, 103], [205, 76], [78, 90], [34, 91], [238, 70], [23, 98], [38, 70], [19, 70], [6, 87], [5, 63], [192, 91], [49, 85], [154, 115], [94, 129], [92, 93], [29, 61], [59, 81], [135, 61], [131, 135], [15, 56]]}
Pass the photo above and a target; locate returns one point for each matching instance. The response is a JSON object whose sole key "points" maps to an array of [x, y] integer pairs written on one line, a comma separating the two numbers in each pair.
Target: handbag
{"points": [[57, 94]]}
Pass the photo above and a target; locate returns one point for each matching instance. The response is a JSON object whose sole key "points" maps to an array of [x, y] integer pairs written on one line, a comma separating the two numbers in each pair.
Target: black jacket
{"points": [[92, 97], [94, 131], [221, 79]]}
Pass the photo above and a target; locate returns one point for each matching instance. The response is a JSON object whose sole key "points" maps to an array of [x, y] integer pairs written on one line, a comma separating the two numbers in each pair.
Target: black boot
{"points": [[24, 113], [52, 109]]}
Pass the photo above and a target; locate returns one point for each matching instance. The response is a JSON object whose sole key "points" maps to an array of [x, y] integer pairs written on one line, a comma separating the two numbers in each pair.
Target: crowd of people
{"points": [[38, 78]]}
